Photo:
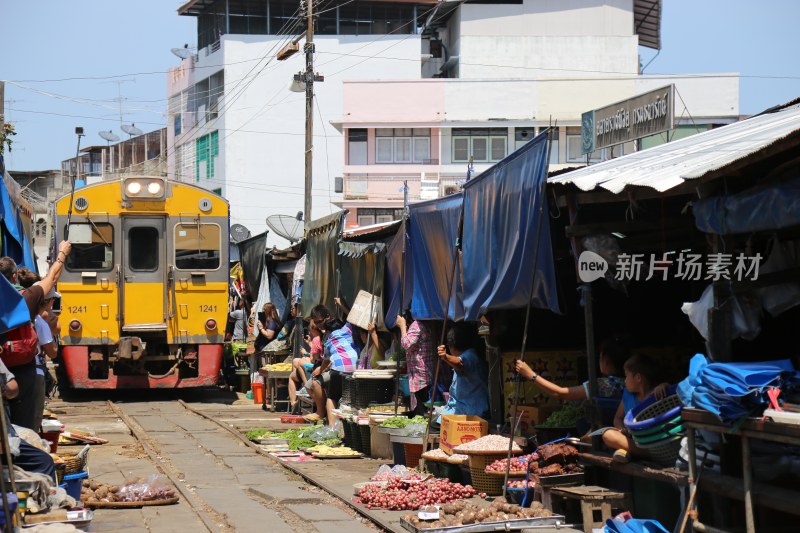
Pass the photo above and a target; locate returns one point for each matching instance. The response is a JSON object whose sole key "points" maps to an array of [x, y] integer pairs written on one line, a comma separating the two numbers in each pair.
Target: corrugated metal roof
{"points": [[668, 165]]}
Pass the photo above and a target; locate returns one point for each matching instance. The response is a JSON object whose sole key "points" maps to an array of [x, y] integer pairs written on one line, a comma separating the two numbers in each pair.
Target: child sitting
{"points": [[641, 375]]}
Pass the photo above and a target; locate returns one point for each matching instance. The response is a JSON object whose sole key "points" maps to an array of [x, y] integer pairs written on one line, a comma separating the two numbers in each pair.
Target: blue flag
{"points": [[13, 310]]}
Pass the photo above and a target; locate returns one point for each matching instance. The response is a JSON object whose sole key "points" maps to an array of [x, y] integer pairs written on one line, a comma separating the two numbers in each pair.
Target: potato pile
{"points": [[134, 490], [461, 513]]}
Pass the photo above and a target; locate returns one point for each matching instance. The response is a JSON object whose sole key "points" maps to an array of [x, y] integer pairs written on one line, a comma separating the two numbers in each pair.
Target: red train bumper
{"points": [[76, 363]]}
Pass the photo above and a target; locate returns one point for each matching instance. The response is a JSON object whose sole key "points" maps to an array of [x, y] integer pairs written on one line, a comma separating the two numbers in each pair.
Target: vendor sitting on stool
{"points": [[469, 391], [641, 374]]}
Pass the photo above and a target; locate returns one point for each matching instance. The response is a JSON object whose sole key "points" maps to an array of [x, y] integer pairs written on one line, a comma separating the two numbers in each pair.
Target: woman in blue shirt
{"points": [[469, 391]]}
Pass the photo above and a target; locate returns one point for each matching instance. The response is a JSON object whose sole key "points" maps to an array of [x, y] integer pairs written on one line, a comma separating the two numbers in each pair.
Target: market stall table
{"points": [[271, 379], [755, 428]]}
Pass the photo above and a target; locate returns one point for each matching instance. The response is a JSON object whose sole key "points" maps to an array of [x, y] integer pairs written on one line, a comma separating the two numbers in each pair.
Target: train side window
{"points": [[92, 246], [197, 246], [143, 244]]}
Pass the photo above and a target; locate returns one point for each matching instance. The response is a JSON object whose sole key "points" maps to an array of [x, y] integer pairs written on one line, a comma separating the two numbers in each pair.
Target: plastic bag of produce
{"points": [[321, 433], [415, 430], [154, 487]]}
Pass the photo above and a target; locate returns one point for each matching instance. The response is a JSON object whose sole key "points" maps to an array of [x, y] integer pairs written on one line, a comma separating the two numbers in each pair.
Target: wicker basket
{"points": [[482, 482], [72, 465]]}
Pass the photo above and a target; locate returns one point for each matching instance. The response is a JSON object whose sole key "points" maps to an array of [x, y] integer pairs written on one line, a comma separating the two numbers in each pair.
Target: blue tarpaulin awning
{"points": [[433, 230], [501, 215], [393, 286]]}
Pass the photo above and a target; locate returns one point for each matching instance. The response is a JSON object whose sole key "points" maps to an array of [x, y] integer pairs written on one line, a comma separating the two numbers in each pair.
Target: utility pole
{"points": [[309, 50]]}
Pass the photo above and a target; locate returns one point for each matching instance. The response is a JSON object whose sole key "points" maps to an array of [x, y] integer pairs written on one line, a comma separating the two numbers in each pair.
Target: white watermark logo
{"points": [[591, 266], [683, 266]]}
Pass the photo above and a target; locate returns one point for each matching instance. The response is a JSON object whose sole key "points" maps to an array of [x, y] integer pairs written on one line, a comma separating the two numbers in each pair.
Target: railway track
{"points": [[227, 482]]}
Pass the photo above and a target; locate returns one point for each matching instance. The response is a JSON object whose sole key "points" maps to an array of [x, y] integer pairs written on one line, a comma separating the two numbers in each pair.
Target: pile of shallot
{"points": [[399, 494], [518, 465]]}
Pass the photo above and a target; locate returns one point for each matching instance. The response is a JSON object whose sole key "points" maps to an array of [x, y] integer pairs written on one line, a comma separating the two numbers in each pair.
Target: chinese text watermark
{"points": [[683, 266]]}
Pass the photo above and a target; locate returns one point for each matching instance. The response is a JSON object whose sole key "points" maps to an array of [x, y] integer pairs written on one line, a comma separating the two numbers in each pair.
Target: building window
{"points": [[207, 150], [357, 146], [481, 144], [574, 148], [368, 216], [522, 136], [402, 145]]}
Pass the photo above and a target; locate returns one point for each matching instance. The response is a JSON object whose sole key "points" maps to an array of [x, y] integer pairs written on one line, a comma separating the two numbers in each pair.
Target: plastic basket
{"points": [[490, 484], [369, 391], [348, 384], [652, 413], [364, 438], [518, 495], [413, 453], [351, 437], [663, 453], [445, 470]]}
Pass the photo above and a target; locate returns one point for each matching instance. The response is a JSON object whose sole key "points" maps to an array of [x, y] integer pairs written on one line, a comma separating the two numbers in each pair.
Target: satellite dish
{"points": [[185, 52], [239, 233], [287, 226], [131, 130], [109, 136]]}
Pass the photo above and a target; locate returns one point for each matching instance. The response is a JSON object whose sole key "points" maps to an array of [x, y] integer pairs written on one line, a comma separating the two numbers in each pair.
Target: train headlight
{"points": [[75, 325], [144, 188], [211, 324]]}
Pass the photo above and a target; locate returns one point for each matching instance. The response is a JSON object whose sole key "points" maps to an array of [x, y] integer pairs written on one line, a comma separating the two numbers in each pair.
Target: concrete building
{"points": [[39, 189], [494, 75], [234, 126]]}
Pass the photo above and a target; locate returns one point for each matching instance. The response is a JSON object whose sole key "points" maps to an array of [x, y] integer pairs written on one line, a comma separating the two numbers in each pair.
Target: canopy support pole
{"points": [[540, 191]]}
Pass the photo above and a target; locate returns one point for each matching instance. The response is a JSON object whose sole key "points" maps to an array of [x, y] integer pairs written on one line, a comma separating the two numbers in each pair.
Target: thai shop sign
{"points": [[637, 117]]}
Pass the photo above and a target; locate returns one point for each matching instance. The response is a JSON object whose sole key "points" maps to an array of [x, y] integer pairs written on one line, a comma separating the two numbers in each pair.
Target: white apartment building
{"points": [[493, 75], [234, 126]]}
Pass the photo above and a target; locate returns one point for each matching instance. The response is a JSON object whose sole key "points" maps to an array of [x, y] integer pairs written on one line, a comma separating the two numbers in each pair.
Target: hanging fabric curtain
{"points": [[361, 265], [433, 231], [393, 284], [501, 215], [251, 252], [319, 286]]}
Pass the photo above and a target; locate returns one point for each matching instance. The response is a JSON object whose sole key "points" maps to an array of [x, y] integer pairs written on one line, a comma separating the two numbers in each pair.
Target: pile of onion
{"points": [[400, 495]]}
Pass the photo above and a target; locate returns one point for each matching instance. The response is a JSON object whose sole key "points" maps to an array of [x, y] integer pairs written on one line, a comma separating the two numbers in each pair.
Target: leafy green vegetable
{"points": [[401, 421], [255, 434], [293, 436], [566, 417]]}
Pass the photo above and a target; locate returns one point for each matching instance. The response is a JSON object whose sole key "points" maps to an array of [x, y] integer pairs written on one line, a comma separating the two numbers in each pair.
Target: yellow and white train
{"points": [[145, 288]]}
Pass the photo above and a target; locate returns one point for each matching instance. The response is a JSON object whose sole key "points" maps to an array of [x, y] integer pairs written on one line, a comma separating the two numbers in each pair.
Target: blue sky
{"points": [[109, 41]]}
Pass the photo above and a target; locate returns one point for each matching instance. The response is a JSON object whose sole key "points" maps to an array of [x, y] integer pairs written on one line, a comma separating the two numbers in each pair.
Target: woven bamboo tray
{"points": [[129, 505]]}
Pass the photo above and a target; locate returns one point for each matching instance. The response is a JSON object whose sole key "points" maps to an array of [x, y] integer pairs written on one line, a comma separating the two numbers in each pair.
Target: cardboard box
{"points": [[458, 429], [530, 415]]}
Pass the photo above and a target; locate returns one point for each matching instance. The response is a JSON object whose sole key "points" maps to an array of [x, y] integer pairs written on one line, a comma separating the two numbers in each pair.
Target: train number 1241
{"points": [[207, 308], [76, 308]]}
